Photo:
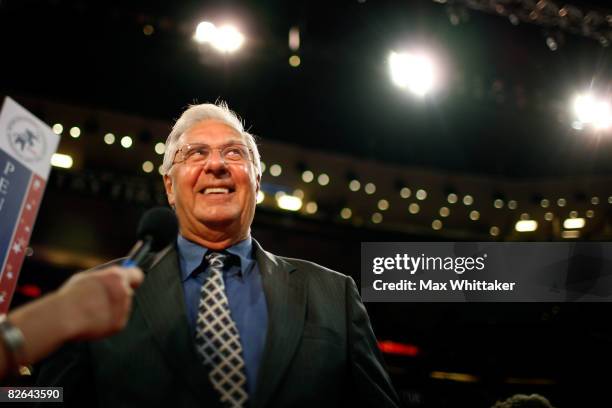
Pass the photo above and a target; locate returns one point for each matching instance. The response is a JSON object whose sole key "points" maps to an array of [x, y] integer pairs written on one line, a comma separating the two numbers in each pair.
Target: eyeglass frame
{"points": [[212, 149]]}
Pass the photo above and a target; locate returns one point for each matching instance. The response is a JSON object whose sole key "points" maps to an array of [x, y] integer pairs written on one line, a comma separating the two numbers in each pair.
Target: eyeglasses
{"points": [[199, 154]]}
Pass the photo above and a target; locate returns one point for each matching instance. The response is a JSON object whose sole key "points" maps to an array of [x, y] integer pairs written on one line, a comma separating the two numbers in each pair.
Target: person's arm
{"points": [[370, 379], [89, 305]]}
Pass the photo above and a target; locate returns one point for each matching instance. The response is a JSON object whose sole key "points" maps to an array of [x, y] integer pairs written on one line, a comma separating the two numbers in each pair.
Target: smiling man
{"points": [[212, 181], [219, 321]]}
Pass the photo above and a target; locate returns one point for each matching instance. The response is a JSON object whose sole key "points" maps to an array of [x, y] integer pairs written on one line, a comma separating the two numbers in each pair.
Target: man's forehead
{"points": [[211, 131]]}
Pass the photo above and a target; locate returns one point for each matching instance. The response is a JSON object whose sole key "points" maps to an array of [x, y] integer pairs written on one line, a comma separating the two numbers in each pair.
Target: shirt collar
{"points": [[192, 254]]}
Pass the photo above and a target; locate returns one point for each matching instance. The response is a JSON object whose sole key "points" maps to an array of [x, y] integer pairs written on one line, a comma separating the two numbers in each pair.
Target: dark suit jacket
{"points": [[320, 349]]}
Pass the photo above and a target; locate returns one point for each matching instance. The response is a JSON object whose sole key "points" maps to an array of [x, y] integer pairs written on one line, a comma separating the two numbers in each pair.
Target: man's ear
{"points": [[169, 189], [257, 180]]}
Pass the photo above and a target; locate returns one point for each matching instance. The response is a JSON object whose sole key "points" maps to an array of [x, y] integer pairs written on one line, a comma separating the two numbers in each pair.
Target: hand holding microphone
{"points": [[90, 305]]}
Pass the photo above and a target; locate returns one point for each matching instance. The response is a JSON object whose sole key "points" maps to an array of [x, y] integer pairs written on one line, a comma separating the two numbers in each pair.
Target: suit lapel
{"points": [[161, 301], [286, 301]]}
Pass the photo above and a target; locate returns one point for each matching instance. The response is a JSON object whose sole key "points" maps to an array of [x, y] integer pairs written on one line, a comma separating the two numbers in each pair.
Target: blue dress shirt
{"points": [[247, 301]]}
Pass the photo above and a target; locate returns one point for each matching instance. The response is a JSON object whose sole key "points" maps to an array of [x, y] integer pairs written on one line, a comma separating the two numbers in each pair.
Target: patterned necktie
{"points": [[218, 340]]}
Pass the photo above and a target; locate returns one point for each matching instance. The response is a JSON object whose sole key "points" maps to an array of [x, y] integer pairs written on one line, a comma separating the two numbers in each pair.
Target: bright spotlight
{"points": [[416, 72], [205, 32], [593, 111], [228, 39]]}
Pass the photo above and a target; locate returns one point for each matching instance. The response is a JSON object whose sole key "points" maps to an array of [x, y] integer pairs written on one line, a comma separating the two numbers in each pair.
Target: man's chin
{"points": [[218, 220]]}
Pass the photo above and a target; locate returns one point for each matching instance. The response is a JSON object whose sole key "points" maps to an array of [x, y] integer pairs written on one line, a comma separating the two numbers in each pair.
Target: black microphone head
{"points": [[160, 224]]}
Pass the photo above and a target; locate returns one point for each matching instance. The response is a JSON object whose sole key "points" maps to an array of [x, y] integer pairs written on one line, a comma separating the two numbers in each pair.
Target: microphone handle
{"points": [[140, 250]]}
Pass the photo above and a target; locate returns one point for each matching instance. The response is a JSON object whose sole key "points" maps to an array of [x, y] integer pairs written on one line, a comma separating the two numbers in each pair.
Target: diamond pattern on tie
{"points": [[218, 340]]}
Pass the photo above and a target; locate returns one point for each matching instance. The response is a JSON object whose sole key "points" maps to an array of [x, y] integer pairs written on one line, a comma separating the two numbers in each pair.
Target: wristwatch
{"points": [[13, 341]]}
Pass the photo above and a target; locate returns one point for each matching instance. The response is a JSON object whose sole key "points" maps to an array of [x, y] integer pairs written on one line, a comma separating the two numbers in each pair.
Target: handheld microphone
{"points": [[156, 229]]}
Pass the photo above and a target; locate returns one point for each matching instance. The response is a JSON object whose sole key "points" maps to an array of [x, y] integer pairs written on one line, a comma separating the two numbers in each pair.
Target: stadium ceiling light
{"points": [[311, 207], [573, 223], [205, 32], [61, 160], [289, 202], [526, 225], [412, 71], [276, 170], [346, 213], [294, 38], [126, 142], [229, 39], [591, 110], [570, 234], [160, 148], [75, 132], [147, 166], [307, 176], [226, 38], [58, 128]]}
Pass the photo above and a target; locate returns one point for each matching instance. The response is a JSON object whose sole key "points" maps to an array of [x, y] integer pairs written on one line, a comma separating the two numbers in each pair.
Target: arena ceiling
{"points": [[504, 108]]}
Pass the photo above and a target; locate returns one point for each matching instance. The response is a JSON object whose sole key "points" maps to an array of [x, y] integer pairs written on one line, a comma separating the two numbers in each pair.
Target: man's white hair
{"points": [[196, 114]]}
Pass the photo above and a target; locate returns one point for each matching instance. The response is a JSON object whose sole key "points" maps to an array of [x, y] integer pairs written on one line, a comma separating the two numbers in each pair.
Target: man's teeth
{"points": [[216, 190]]}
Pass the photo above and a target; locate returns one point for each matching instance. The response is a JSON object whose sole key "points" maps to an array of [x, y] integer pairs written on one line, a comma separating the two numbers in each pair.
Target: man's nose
{"points": [[215, 162]]}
